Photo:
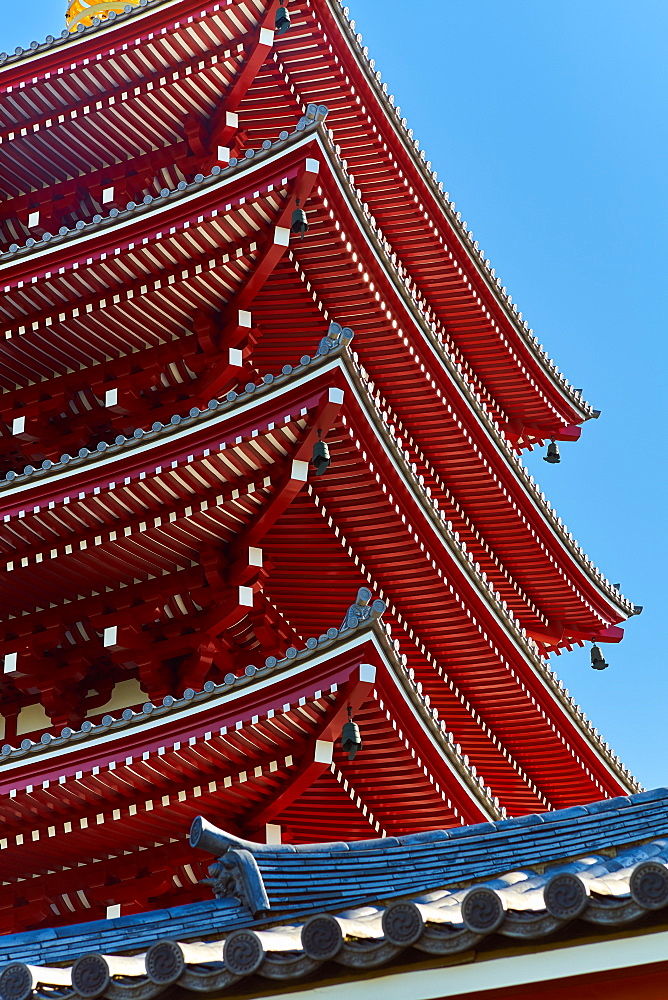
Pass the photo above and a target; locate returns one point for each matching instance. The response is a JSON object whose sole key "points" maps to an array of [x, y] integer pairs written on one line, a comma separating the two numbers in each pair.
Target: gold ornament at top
{"points": [[83, 11]]}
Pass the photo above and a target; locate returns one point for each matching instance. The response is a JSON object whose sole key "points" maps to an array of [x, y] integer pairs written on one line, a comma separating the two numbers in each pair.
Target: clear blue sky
{"points": [[547, 124]]}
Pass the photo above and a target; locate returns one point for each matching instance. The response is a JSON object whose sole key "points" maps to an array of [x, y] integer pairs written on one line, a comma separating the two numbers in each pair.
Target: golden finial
{"points": [[83, 11]]}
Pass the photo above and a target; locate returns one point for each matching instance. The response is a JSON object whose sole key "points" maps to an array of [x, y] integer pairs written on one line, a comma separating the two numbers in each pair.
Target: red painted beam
{"points": [[318, 754]]}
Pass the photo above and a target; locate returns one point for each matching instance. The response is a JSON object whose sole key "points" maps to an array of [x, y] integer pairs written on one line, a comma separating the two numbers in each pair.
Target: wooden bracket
{"points": [[318, 753]]}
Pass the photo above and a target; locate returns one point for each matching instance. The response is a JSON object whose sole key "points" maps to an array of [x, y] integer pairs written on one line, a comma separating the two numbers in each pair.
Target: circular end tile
{"points": [[16, 982], [321, 937], [565, 896], [90, 976], [164, 962], [482, 911], [243, 953], [649, 885], [402, 924]]}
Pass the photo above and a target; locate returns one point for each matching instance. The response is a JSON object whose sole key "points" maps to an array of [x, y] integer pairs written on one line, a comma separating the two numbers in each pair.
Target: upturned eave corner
{"points": [[577, 410], [270, 556]]}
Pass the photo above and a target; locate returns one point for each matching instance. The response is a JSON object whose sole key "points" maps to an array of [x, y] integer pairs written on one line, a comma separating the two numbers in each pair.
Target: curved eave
{"points": [[617, 605], [134, 453], [142, 101], [245, 698], [137, 454], [92, 234], [42, 575], [55, 50], [575, 409], [101, 235], [435, 525], [159, 446]]}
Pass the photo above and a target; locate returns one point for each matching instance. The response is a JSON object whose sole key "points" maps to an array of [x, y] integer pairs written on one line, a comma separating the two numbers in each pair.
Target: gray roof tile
{"points": [[345, 877]]}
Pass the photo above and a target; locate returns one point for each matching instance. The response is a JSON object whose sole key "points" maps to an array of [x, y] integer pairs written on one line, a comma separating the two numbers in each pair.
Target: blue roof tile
{"points": [[650, 795], [520, 821], [336, 876], [564, 814], [470, 831], [427, 837], [608, 805]]}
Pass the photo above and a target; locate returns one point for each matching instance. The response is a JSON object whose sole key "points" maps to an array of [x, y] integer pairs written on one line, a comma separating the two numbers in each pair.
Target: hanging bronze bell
{"points": [[320, 460], [282, 20], [299, 222], [597, 658], [553, 456], [351, 739]]}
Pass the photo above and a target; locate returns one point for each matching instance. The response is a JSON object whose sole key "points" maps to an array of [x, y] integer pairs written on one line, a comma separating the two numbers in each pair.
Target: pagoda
{"points": [[270, 554]]}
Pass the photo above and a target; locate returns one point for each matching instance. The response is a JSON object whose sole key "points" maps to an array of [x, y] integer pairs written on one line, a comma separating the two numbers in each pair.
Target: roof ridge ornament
{"points": [[315, 115], [85, 12], [361, 611], [236, 875], [336, 336]]}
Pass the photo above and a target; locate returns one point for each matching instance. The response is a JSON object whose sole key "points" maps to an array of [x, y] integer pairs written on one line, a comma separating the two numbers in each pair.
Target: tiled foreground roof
{"points": [[331, 875], [362, 904]]}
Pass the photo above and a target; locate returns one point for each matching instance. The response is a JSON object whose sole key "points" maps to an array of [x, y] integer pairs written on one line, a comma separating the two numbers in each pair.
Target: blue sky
{"points": [[547, 124]]}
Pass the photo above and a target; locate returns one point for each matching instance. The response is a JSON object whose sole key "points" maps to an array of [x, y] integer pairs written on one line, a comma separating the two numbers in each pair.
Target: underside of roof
{"points": [[239, 384], [319, 60], [320, 542], [118, 333]]}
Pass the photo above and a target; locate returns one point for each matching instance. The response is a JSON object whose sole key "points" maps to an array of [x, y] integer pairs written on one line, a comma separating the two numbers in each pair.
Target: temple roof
{"points": [[546, 401], [533, 739], [435, 526], [363, 904], [481, 430], [35, 755]]}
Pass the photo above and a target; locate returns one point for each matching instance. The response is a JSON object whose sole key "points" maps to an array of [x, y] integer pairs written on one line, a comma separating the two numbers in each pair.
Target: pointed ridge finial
{"points": [[84, 11]]}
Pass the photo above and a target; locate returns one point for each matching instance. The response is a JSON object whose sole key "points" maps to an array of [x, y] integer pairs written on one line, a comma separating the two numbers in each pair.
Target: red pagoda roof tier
{"points": [[321, 59], [186, 507], [450, 436], [98, 127], [134, 316], [111, 606], [258, 748]]}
